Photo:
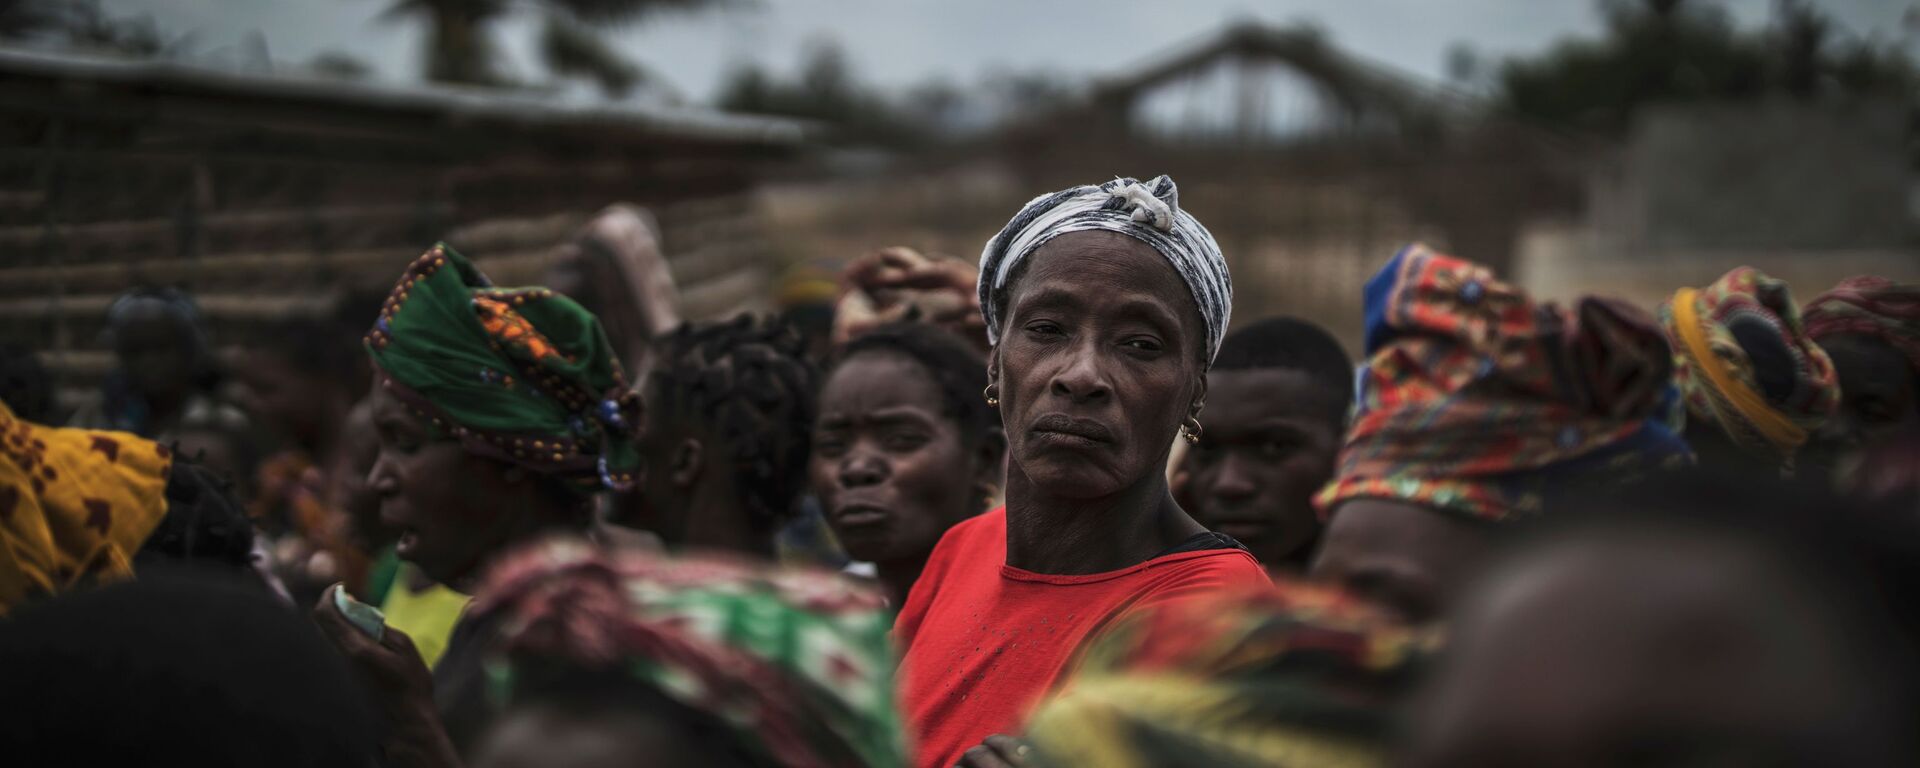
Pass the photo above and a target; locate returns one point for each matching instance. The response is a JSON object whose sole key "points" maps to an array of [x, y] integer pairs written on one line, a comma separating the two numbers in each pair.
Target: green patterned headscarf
{"points": [[796, 663], [524, 375]]}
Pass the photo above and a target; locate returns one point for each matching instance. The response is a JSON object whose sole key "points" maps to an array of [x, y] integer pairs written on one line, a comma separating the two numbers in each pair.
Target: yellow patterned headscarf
{"points": [[75, 504], [1744, 364]]}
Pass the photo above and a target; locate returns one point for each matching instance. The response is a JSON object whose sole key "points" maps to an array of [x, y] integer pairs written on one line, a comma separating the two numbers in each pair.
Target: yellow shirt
{"points": [[426, 616]]}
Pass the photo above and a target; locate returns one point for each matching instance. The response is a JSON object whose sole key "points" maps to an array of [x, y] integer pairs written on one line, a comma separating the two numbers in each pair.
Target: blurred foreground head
{"points": [[81, 508], [620, 658], [1698, 621], [1298, 676], [1479, 407], [178, 668]]}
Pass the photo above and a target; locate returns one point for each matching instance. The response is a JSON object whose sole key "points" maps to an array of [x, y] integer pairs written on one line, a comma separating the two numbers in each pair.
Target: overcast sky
{"points": [[897, 43]]}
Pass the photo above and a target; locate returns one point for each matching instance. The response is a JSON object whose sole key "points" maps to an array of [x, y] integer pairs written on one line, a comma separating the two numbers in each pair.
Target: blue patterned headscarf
{"points": [[1145, 211]]}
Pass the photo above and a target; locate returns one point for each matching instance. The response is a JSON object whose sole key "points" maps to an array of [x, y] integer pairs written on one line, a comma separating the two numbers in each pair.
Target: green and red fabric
{"points": [[1296, 675], [1744, 363], [796, 662], [1477, 400], [1870, 306], [524, 375]]}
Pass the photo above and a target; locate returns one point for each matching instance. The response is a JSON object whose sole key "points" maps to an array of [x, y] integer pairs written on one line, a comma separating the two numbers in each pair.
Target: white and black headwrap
{"points": [[1145, 211]]}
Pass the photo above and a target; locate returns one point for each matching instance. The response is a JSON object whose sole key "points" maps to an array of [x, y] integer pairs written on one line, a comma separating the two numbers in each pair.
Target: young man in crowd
{"points": [[1278, 398]]}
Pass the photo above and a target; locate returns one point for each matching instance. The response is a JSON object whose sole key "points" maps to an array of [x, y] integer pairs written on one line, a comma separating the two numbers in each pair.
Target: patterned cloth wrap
{"points": [[1149, 212], [523, 375], [1297, 676], [1478, 401], [797, 662], [75, 505], [1718, 377], [1870, 306]]}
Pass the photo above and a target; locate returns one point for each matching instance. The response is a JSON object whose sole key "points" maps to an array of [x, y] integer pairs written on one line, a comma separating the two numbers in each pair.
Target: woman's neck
{"points": [[898, 576], [717, 519], [520, 531], [164, 412], [1053, 535]]}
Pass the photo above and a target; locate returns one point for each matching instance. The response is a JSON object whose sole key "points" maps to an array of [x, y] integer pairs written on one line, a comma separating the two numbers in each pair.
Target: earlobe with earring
{"points": [[1191, 430], [993, 399]]}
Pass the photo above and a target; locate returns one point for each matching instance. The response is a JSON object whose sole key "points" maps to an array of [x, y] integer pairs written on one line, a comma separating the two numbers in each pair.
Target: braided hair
{"points": [[747, 382]]}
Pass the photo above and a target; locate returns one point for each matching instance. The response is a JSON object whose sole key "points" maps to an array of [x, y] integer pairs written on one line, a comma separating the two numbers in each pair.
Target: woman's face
{"points": [[889, 466], [1099, 362], [1880, 398], [155, 348], [290, 401], [1407, 558], [449, 508]]}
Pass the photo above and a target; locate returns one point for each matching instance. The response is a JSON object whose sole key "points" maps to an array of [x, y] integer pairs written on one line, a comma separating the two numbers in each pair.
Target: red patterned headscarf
{"points": [[1477, 400], [1716, 333], [1870, 306]]}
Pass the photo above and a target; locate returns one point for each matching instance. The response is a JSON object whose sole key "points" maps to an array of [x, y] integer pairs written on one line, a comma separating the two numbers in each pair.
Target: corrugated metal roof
{"points": [[454, 102]]}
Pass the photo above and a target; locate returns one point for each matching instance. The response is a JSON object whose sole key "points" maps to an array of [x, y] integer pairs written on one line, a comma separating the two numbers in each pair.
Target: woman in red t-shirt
{"points": [[1105, 305]]}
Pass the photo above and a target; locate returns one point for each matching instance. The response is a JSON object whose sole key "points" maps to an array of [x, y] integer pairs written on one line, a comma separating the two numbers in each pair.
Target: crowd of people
{"points": [[1053, 509]]}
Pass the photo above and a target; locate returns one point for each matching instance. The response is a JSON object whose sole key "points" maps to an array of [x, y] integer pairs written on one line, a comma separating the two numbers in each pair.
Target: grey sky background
{"points": [[899, 43]]}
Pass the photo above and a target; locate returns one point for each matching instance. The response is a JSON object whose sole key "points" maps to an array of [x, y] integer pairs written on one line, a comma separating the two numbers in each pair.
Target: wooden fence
{"points": [[266, 197]]}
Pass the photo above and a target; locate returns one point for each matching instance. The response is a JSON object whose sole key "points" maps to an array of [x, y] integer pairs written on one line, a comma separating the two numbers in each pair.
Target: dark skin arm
{"points": [[392, 672]]}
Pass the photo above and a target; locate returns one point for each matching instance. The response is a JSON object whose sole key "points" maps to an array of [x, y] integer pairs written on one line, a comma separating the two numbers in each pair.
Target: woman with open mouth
{"points": [[1105, 306], [500, 413], [903, 447]]}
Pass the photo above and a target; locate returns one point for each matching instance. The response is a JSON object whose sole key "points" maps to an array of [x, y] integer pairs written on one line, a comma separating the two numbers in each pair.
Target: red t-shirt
{"points": [[983, 641]]}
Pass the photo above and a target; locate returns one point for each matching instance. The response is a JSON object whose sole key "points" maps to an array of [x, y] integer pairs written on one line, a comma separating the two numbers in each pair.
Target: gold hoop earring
{"points": [[1191, 431], [992, 400]]}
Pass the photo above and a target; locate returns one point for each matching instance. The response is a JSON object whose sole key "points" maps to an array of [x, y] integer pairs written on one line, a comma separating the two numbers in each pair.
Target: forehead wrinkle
{"points": [[902, 414], [1135, 293]]}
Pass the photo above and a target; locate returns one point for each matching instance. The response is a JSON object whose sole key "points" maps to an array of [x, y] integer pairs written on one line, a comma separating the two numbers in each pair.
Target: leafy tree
{"points": [[826, 91], [78, 24], [460, 49], [1687, 50], [571, 49]]}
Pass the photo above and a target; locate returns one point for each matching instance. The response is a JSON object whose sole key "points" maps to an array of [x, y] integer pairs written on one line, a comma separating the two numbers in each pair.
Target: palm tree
{"points": [[459, 49]]}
